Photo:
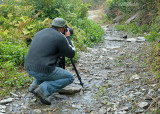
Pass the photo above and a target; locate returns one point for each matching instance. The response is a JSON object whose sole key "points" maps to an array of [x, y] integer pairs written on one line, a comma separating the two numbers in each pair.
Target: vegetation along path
{"points": [[115, 79]]}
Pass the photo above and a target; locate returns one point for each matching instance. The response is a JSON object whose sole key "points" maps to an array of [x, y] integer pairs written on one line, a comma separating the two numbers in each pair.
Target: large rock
{"points": [[117, 19], [70, 90], [5, 101], [133, 18], [137, 39], [143, 105]]}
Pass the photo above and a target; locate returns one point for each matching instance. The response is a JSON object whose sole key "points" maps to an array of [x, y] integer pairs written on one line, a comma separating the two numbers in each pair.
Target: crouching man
{"points": [[46, 47]]}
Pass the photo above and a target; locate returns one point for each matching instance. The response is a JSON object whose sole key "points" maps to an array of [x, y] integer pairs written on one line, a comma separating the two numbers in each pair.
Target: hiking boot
{"points": [[32, 88], [38, 93]]}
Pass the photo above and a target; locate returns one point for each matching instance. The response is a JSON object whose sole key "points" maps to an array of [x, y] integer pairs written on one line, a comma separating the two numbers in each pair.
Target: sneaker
{"points": [[38, 93], [32, 88]]}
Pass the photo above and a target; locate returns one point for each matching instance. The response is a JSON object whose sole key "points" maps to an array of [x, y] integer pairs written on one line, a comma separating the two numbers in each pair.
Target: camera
{"points": [[70, 29]]}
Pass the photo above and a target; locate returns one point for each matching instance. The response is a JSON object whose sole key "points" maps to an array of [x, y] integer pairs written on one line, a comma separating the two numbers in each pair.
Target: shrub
{"points": [[13, 53], [154, 59], [10, 77]]}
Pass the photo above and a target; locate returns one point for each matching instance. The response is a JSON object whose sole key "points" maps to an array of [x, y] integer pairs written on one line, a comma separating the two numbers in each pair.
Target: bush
{"points": [[93, 31], [154, 59], [132, 28], [13, 53], [10, 78]]}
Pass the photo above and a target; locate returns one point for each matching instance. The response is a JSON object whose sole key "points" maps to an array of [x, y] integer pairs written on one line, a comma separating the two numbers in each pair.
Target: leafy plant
{"points": [[13, 53], [11, 78]]}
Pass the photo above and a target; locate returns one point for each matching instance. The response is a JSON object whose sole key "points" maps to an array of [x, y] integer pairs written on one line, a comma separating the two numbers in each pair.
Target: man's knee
{"points": [[71, 79]]}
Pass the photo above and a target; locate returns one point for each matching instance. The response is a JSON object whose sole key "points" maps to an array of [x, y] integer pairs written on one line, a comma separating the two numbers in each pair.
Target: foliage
{"points": [[154, 34], [154, 59], [10, 77], [132, 28], [13, 53], [94, 3]]}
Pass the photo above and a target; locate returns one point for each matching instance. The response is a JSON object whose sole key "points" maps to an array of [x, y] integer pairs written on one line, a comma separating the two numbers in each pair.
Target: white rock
{"points": [[70, 90], [102, 110], [37, 111], [131, 40], [89, 49], [104, 49], [4, 101], [2, 111], [141, 39], [134, 77], [138, 93], [15, 95], [122, 112], [143, 105], [132, 18], [77, 106], [2, 107]]}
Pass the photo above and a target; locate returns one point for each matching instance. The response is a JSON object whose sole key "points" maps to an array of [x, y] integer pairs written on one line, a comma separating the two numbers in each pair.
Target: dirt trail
{"points": [[96, 15], [114, 76]]}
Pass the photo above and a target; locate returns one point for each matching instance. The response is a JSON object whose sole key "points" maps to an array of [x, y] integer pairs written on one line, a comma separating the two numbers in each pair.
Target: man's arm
{"points": [[65, 48]]}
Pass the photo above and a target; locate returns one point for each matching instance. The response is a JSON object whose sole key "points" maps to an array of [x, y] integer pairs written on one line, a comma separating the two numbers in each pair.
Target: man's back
{"points": [[47, 45]]}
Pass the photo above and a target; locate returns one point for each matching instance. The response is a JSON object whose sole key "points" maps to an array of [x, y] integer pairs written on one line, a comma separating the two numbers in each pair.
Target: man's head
{"points": [[59, 23]]}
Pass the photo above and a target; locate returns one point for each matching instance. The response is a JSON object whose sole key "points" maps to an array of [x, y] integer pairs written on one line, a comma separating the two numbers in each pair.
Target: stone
{"points": [[104, 49], [139, 111], [2, 107], [4, 101], [15, 95], [70, 90], [94, 112], [133, 18], [150, 91], [143, 105], [2, 111], [37, 111], [127, 107], [122, 112], [89, 49], [131, 40], [78, 106], [138, 93], [88, 110], [24, 107], [141, 39], [102, 110], [117, 19], [134, 77]]}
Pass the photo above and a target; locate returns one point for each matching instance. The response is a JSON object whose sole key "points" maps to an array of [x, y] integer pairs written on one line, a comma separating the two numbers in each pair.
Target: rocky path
{"points": [[115, 78]]}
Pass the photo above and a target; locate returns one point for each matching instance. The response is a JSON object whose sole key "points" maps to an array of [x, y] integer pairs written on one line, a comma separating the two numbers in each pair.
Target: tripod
{"points": [[62, 65]]}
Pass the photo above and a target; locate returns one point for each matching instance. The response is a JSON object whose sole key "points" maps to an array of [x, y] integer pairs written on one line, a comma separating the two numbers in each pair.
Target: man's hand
{"points": [[67, 33]]}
